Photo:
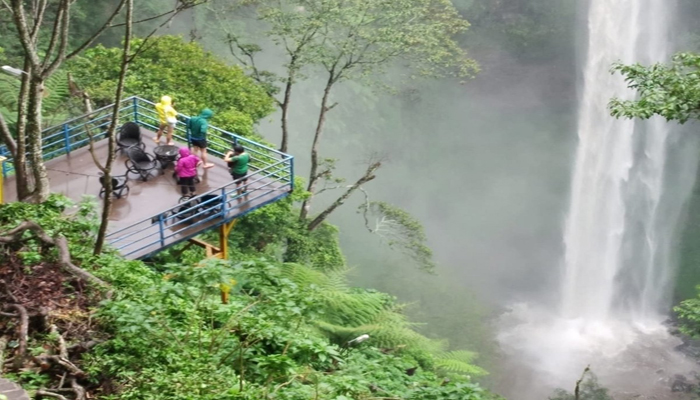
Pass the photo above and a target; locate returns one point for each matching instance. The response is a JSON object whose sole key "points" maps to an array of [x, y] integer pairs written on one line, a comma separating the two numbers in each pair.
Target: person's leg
{"points": [[159, 133], [171, 127], [196, 150], [244, 181], [204, 158], [193, 189], [184, 185]]}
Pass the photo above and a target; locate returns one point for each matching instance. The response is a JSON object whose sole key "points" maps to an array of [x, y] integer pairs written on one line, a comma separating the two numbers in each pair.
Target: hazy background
{"points": [[485, 166]]}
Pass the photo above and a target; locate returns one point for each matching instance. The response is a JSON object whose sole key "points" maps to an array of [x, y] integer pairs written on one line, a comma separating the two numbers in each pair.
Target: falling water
{"points": [[614, 266], [629, 184]]}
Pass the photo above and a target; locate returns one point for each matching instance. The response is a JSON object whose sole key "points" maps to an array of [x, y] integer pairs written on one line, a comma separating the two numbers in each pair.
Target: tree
{"points": [[111, 131], [671, 91], [352, 40], [45, 46], [194, 77]]}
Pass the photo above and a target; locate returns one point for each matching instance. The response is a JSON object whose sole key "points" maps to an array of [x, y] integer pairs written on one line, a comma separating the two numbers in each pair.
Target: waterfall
{"points": [[616, 257], [630, 181]]}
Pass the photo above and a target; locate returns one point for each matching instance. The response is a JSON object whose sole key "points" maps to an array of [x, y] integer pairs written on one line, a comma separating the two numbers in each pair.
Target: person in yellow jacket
{"points": [[167, 117]]}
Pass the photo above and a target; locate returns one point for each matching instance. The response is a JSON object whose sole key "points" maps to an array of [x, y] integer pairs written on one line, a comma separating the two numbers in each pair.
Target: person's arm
{"points": [[227, 157]]}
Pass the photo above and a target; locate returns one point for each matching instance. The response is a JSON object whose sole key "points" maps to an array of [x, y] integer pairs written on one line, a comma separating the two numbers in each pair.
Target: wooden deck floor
{"points": [[75, 175]]}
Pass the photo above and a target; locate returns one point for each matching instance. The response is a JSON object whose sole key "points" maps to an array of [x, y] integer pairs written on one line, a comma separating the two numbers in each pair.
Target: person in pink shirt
{"points": [[186, 170]]}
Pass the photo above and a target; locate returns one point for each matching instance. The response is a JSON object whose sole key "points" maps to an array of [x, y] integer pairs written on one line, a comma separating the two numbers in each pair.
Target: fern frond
{"points": [[341, 305], [459, 362]]}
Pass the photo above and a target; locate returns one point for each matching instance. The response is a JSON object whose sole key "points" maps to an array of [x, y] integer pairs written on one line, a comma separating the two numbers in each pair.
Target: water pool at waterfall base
{"points": [[542, 351]]}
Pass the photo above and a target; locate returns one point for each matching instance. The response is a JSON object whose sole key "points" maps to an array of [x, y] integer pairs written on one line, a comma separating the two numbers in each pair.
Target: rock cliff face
{"points": [[12, 391]]}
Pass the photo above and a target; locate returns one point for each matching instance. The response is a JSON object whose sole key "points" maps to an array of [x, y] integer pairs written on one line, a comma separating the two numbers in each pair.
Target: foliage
{"points": [[284, 333], [57, 105], [361, 37], [688, 313], [193, 77], [263, 344], [81, 224], [401, 230], [671, 91]]}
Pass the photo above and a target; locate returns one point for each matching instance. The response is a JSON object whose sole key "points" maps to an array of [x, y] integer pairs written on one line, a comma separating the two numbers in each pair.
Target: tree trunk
{"points": [[285, 105], [313, 173], [24, 186], [34, 140], [368, 176], [111, 132]]}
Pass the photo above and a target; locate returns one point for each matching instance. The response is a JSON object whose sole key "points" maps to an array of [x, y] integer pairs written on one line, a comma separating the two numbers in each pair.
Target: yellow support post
{"points": [[2, 181], [224, 231]]}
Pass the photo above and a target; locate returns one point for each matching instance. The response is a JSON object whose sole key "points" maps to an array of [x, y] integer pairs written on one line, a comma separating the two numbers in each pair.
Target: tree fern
{"points": [[459, 362], [9, 91], [349, 313], [340, 304], [56, 104]]}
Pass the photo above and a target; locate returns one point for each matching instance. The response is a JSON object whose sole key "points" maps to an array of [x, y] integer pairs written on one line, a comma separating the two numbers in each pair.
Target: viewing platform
{"points": [[149, 218]]}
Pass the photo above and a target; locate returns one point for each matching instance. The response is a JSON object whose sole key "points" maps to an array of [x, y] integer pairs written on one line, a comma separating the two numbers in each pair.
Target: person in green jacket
{"points": [[198, 134], [238, 161]]}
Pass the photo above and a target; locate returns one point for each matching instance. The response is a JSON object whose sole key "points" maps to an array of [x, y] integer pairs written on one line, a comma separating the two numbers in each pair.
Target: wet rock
{"points": [[681, 384]]}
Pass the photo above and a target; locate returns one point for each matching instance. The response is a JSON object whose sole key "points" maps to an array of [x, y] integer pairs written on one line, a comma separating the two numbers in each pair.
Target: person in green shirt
{"points": [[238, 161], [198, 134]]}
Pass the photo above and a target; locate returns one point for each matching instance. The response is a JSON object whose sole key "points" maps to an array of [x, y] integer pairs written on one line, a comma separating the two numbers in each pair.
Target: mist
{"points": [[486, 166]]}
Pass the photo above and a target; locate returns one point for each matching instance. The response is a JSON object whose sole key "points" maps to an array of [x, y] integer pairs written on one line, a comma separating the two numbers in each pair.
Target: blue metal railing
{"points": [[271, 177], [217, 206]]}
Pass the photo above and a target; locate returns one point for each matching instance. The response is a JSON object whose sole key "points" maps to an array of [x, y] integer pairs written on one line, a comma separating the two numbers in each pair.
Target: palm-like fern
{"points": [[349, 313], [458, 362], [55, 104], [341, 305]]}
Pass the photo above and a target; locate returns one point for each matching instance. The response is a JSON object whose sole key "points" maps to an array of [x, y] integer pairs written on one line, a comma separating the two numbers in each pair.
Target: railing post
{"points": [[291, 174], [136, 109], [160, 227], [66, 138], [224, 201]]}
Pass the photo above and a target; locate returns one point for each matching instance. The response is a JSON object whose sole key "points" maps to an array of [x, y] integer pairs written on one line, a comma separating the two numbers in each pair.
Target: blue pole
{"points": [[160, 227], [291, 174], [224, 201], [136, 110], [66, 138]]}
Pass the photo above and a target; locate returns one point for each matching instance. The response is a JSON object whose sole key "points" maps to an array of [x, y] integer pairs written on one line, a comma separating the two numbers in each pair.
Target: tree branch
{"points": [[185, 5], [98, 33], [64, 258], [38, 20], [578, 382], [7, 136], [62, 349], [23, 334], [25, 39], [63, 44], [55, 32], [45, 393], [368, 176]]}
